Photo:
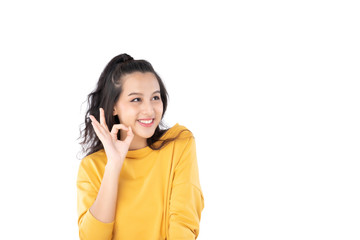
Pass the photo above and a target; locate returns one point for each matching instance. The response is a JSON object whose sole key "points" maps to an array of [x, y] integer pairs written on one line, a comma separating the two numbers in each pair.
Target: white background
{"points": [[270, 90]]}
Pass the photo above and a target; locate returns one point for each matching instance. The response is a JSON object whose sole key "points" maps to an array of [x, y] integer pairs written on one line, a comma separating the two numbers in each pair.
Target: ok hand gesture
{"points": [[115, 149]]}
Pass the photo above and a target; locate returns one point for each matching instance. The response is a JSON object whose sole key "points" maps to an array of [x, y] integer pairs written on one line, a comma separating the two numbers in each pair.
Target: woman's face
{"points": [[139, 106]]}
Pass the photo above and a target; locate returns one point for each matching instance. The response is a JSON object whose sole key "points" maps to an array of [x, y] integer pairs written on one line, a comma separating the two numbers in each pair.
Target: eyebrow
{"points": [[134, 93]]}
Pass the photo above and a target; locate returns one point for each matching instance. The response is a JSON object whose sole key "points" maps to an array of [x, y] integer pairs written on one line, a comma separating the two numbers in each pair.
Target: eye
{"points": [[135, 100], [156, 98]]}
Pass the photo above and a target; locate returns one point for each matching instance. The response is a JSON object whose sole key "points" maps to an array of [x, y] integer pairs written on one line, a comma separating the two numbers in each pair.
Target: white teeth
{"points": [[146, 122]]}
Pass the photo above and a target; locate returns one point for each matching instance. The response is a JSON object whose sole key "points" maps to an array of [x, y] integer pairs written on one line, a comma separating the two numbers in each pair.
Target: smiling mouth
{"points": [[147, 122]]}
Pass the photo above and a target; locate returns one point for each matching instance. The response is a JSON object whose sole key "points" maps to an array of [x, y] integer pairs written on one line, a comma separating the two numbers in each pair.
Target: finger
{"points": [[129, 136], [116, 128], [101, 128], [102, 118], [92, 118], [94, 121], [96, 127]]}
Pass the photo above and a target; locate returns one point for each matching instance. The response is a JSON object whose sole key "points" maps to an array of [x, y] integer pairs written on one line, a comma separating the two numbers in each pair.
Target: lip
{"points": [[145, 124]]}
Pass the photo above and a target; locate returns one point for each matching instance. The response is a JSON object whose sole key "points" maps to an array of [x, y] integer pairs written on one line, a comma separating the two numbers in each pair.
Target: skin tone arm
{"points": [[104, 206]]}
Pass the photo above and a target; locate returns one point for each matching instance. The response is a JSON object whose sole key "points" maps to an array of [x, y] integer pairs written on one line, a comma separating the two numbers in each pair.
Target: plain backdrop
{"points": [[270, 90]]}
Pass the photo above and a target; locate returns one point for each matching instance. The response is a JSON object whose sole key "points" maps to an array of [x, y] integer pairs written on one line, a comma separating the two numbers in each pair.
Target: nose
{"points": [[147, 109]]}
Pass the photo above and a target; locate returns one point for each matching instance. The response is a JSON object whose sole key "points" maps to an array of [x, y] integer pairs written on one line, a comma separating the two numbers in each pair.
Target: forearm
{"points": [[104, 206]]}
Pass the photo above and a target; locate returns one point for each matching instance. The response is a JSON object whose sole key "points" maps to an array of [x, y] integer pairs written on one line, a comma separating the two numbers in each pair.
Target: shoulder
{"points": [[183, 147], [93, 163], [175, 137], [182, 138], [179, 132]]}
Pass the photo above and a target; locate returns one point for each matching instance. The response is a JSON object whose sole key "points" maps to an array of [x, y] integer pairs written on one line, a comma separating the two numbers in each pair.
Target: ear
{"points": [[114, 112]]}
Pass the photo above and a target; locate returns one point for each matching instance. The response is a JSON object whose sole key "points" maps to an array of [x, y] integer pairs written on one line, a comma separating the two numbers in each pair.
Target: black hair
{"points": [[107, 93]]}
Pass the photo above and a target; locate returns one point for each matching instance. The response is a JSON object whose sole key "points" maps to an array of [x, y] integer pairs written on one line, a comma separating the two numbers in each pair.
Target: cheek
{"points": [[127, 112], [159, 109]]}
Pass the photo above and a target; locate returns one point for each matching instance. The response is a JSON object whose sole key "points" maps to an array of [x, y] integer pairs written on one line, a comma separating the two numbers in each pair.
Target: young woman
{"points": [[137, 180]]}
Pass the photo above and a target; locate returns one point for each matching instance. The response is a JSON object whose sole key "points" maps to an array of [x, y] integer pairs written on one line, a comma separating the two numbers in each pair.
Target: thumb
{"points": [[129, 136]]}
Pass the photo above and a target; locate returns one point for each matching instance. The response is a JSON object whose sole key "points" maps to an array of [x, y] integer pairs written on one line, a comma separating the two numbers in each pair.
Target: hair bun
{"points": [[122, 58]]}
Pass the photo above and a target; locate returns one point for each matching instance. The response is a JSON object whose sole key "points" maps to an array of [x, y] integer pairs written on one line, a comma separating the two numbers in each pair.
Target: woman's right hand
{"points": [[115, 149]]}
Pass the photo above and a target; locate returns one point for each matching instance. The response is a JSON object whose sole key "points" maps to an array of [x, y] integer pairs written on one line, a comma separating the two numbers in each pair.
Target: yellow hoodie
{"points": [[159, 194]]}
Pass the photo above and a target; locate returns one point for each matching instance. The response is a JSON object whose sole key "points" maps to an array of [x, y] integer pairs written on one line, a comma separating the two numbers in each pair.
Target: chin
{"points": [[145, 132]]}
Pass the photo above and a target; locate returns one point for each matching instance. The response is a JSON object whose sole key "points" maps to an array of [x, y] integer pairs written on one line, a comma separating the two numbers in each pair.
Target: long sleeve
{"points": [[88, 182], [186, 200]]}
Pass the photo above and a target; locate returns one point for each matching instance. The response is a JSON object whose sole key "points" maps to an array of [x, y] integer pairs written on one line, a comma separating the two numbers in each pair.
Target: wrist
{"points": [[113, 168]]}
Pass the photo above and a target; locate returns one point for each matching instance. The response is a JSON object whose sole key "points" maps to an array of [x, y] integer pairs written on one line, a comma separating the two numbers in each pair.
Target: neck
{"points": [[136, 143]]}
